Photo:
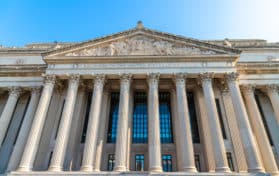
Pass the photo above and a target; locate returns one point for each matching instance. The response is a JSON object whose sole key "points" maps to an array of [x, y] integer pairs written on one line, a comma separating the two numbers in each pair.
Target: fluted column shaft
{"points": [[247, 138], [24, 130], [59, 151], [8, 111], [89, 152], [102, 127], [154, 144], [259, 129], [186, 143], [34, 137], [123, 122], [272, 92], [214, 125]]}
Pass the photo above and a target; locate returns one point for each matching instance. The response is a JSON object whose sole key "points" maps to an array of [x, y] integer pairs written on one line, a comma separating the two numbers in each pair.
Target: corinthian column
{"points": [[259, 130], [34, 137], [214, 125], [24, 130], [247, 138], [154, 144], [272, 92], [8, 111], [186, 143], [123, 122], [89, 152], [59, 151]]}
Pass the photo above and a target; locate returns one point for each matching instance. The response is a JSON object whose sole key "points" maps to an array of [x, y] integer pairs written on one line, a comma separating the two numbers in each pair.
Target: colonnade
{"points": [[248, 117]]}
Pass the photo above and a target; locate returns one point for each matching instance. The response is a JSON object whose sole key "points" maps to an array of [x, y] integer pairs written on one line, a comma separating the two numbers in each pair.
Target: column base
{"points": [[24, 169], [155, 169], [86, 168], [223, 169], [55, 169], [120, 169], [256, 170], [189, 169]]}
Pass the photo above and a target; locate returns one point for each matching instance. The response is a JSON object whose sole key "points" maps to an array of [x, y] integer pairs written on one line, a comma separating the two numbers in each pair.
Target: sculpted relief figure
{"points": [[141, 45]]}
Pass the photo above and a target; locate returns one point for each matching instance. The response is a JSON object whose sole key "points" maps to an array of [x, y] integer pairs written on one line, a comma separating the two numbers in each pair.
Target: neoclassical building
{"points": [[140, 102]]}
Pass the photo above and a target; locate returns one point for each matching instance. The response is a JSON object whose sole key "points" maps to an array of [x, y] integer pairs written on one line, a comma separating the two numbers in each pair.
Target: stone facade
{"points": [[47, 90]]}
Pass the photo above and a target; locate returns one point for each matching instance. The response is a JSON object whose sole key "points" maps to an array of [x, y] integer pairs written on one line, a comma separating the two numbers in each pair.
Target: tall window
{"points": [[139, 162], [111, 161], [85, 124], [167, 163], [230, 161], [165, 118], [193, 117], [263, 119], [113, 118], [140, 128], [220, 118]]}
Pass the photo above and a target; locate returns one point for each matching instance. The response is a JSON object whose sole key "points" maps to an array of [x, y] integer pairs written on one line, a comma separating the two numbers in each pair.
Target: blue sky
{"points": [[29, 21]]}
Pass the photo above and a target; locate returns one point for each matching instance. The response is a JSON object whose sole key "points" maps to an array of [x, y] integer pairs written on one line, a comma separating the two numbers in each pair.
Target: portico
{"points": [[144, 101]]}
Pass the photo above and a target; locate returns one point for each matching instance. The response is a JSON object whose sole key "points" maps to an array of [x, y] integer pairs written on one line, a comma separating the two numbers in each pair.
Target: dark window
{"points": [[230, 161], [111, 161], [220, 118], [113, 117], [59, 119], [167, 163], [140, 128], [264, 121], [85, 124], [193, 117], [21, 121], [139, 162], [197, 162], [165, 118]]}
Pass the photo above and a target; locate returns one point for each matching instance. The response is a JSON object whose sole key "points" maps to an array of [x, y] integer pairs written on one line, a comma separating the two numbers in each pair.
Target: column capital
{"points": [[272, 88], [233, 76], [206, 77], [74, 78], [247, 88], [180, 79], [15, 91], [49, 78], [126, 78], [99, 80], [153, 78]]}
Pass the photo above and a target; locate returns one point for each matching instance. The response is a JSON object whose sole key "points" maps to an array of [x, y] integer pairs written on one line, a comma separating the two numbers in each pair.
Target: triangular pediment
{"points": [[142, 42]]}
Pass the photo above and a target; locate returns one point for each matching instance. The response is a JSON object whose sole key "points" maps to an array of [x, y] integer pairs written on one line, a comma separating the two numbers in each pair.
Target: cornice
{"points": [[140, 59]]}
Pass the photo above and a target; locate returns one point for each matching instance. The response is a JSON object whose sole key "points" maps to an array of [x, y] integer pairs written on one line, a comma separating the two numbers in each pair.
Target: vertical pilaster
{"points": [[259, 129], [33, 140], [123, 124], [61, 143], [8, 111], [272, 92], [248, 141], [214, 125], [89, 153], [154, 144], [186, 143], [24, 130]]}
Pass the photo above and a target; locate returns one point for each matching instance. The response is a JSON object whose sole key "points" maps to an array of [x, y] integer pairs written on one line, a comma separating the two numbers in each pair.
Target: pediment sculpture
{"points": [[141, 45]]}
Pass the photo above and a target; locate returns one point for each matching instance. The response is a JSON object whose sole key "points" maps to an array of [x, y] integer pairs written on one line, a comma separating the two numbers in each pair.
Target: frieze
{"points": [[141, 45]]}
